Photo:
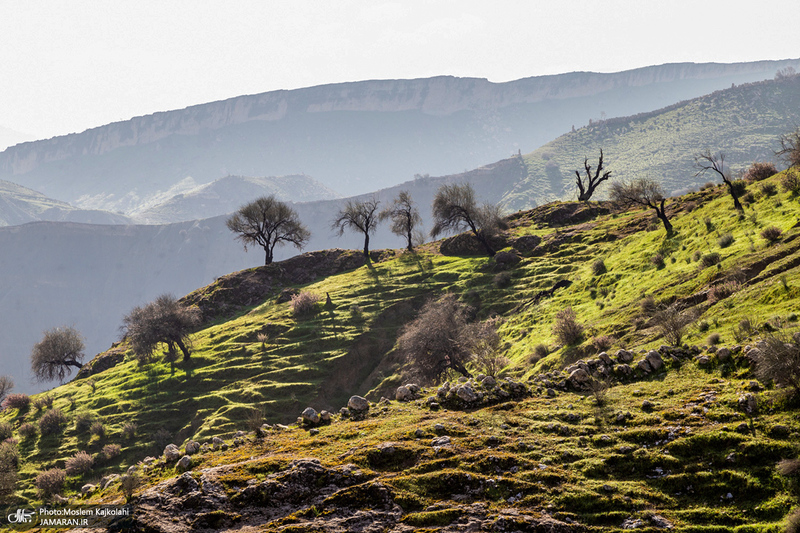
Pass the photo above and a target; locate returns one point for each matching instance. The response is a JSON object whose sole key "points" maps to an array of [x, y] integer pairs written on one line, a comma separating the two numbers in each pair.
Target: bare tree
{"points": [[435, 342], [455, 209], [6, 385], [56, 354], [705, 161], [268, 222], [644, 192], [404, 216], [358, 216], [165, 320], [587, 186], [790, 148]]}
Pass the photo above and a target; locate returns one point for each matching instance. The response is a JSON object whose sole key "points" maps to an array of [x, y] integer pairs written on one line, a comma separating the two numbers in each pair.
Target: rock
{"points": [[754, 386], [779, 430], [743, 428], [184, 463], [550, 392], [489, 382], [441, 441], [101, 363], [605, 358], [527, 243], [313, 431], [86, 489], [172, 453], [655, 361], [623, 370], [286, 295], [345, 412], [413, 387], [358, 403], [624, 356], [506, 259], [748, 403], [105, 481], [644, 366], [647, 405], [660, 522], [579, 379], [192, 447], [703, 360], [466, 393], [723, 354], [217, 443], [325, 416], [403, 394], [310, 416]]}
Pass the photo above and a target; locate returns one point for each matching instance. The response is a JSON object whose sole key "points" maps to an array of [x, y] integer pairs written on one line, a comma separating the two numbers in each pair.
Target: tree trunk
{"points": [[267, 255], [485, 242], [458, 367], [661, 214], [366, 247], [183, 348], [72, 362], [410, 246]]}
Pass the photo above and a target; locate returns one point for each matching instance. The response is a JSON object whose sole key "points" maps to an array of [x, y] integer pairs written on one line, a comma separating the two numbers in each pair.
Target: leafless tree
{"points": [[268, 222], [587, 185], [790, 148], [455, 209], [358, 216], [645, 192], [435, 340], [59, 350], [404, 216], [705, 161], [6, 385], [164, 320]]}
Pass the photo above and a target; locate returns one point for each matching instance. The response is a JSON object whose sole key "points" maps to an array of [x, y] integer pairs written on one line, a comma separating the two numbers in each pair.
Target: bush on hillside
{"points": [[759, 171], [709, 260], [722, 290], [97, 429], [129, 483], [129, 430], [43, 402], [566, 328], [304, 303], [658, 260], [598, 267], [50, 482], [109, 451], [6, 430], [502, 280], [27, 430], [9, 462], [779, 361], [769, 189], [790, 182], [772, 234], [52, 421], [17, 401], [603, 343], [672, 320], [725, 240], [83, 421], [78, 464], [713, 339]]}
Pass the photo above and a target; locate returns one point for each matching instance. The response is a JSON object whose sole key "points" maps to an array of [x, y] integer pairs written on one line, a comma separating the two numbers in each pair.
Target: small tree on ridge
{"points": [[60, 350], [268, 222], [163, 320], [455, 209], [705, 161], [358, 216], [645, 192], [404, 216], [587, 187]]}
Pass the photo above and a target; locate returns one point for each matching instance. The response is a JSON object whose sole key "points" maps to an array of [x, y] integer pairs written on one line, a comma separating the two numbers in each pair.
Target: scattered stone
{"points": [[489, 382], [310, 416], [749, 404], [403, 394], [655, 361], [358, 403], [325, 416], [172, 453], [419, 433], [605, 358], [192, 447], [550, 392], [184, 463], [466, 393], [723, 354], [754, 386], [444, 440], [105, 481], [660, 522], [623, 370], [647, 405], [703, 360], [438, 427], [88, 488], [779, 430], [313, 431], [743, 428], [624, 356], [217, 443], [579, 379]]}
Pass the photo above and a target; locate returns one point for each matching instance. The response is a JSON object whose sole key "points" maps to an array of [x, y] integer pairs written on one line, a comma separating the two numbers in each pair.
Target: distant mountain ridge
{"points": [[353, 137]]}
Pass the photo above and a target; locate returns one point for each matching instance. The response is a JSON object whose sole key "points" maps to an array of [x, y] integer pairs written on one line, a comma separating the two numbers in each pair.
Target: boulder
{"points": [[403, 394], [605, 358], [310, 416], [444, 440], [286, 295], [86, 489], [172, 453], [624, 356], [723, 354], [623, 370], [489, 382], [703, 360], [579, 379], [217, 443], [466, 393], [413, 387], [506, 259], [184, 463], [105, 481], [749, 404], [655, 361], [191, 448], [358, 403], [527, 243], [325, 416], [644, 366]]}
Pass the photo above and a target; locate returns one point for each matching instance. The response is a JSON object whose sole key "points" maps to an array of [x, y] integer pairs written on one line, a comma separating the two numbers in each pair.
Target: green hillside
{"points": [[744, 122], [672, 444]]}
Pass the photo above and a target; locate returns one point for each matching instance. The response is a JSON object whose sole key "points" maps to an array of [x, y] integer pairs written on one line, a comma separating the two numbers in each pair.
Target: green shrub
{"points": [[502, 280], [790, 182], [109, 451], [598, 267], [722, 290], [772, 234], [779, 362], [50, 482], [725, 240], [17, 401], [27, 430], [9, 462], [540, 351], [713, 339], [129, 483], [769, 189], [129, 430], [709, 260], [603, 343], [83, 421], [78, 464], [657, 260], [52, 421], [304, 303], [748, 198], [42, 402], [6, 430], [97, 429], [566, 328]]}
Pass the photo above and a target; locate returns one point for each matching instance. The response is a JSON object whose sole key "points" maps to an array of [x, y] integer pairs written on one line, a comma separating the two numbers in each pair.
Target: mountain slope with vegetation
{"points": [[691, 442], [744, 122]]}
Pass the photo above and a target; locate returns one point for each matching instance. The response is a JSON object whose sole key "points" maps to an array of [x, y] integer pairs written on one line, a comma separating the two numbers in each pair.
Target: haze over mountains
{"points": [[348, 138]]}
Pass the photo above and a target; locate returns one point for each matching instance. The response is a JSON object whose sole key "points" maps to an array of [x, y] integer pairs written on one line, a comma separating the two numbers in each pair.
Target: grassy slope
{"points": [[744, 122], [234, 379]]}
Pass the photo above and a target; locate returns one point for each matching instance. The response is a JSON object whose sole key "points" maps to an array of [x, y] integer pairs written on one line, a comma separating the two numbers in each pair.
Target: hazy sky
{"points": [[68, 65]]}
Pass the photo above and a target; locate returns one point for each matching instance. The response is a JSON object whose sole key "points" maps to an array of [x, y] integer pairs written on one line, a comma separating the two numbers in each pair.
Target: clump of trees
{"points": [[455, 209], [165, 320], [587, 185], [360, 216], [644, 192], [268, 222], [442, 338], [707, 161], [60, 350], [404, 216]]}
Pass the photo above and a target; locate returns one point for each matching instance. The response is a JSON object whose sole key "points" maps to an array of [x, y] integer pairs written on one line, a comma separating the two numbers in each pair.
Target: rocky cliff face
{"points": [[337, 132]]}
